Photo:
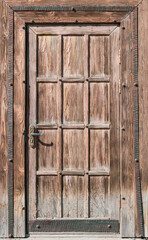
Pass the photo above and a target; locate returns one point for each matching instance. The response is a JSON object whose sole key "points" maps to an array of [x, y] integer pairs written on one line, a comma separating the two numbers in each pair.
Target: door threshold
{"points": [[75, 236]]}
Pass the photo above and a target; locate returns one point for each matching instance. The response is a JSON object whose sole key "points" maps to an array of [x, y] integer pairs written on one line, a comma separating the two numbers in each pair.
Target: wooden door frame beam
{"points": [[113, 5], [10, 127], [139, 205]]}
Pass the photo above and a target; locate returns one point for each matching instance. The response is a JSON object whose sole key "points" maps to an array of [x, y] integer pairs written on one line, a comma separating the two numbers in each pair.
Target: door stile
{"points": [[86, 130], [32, 121], [115, 125], [59, 130], [61, 118]]}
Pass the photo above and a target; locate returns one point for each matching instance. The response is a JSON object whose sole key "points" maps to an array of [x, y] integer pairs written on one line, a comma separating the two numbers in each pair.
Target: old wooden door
{"points": [[74, 128]]}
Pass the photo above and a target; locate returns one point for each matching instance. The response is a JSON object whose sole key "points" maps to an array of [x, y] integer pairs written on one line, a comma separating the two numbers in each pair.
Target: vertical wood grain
{"points": [[115, 125], [73, 149], [10, 127], [59, 131], [127, 194], [99, 102], [48, 197], [143, 104], [99, 56], [19, 127], [73, 56], [47, 150], [32, 121], [48, 56], [86, 130], [100, 109], [99, 199], [47, 103], [73, 103], [4, 29], [73, 197], [100, 150]]}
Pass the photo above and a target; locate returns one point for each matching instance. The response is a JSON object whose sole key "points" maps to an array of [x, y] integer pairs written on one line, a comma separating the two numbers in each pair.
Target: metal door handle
{"points": [[36, 134], [33, 134]]}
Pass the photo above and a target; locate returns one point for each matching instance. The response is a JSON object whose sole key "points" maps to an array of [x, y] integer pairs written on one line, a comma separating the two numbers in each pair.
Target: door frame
{"points": [[19, 18]]}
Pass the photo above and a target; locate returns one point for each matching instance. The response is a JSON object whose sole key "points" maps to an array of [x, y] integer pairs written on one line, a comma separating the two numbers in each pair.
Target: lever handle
{"points": [[36, 134], [33, 134]]}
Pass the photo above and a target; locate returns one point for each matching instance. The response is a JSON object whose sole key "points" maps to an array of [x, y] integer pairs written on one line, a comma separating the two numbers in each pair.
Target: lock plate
{"points": [[31, 138]]}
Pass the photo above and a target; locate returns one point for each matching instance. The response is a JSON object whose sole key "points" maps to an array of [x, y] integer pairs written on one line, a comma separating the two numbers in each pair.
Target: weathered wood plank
{"points": [[75, 30], [73, 103], [47, 150], [99, 79], [71, 16], [48, 189], [48, 55], [99, 149], [115, 125], [143, 104], [73, 56], [32, 121], [108, 3], [86, 131], [99, 196], [139, 223], [99, 56], [47, 101], [73, 149], [73, 173], [73, 196], [99, 103], [19, 127], [4, 30], [127, 157], [10, 128]]}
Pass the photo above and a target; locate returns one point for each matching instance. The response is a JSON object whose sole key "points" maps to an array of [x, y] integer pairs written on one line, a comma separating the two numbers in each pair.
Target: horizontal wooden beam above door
{"points": [[66, 3], [63, 16], [77, 29]]}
